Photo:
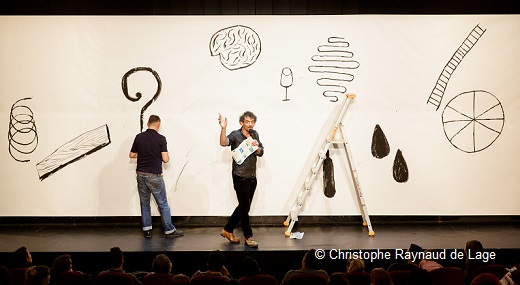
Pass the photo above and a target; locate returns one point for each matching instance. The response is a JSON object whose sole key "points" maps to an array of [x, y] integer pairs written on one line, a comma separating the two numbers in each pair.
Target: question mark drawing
{"points": [[138, 95]]}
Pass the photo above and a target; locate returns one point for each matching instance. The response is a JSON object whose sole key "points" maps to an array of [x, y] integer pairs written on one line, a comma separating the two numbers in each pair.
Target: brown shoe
{"points": [[229, 236]]}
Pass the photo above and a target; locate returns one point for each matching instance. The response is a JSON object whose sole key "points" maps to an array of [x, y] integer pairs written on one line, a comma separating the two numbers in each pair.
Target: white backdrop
{"points": [[72, 69]]}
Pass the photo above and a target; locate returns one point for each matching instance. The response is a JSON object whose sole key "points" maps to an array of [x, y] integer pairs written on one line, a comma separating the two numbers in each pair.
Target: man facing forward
{"points": [[244, 176]]}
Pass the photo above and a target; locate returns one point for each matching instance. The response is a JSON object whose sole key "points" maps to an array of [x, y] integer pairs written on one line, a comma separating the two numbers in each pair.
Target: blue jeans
{"points": [[153, 184]]}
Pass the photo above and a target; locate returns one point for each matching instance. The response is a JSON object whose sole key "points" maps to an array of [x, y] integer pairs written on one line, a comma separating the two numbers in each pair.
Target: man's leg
{"points": [[144, 198], [227, 232], [158, 190], [248, 194], [240, 186]]}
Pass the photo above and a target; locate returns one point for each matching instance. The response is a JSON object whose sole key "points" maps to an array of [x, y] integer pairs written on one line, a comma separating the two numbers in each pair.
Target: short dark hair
{"points": [[216, 260], [153, 119], [310, 259], [61, 264], [250, 266], [115, 257], [20, 256], [162, 264], [247, 114], [36, 274]]}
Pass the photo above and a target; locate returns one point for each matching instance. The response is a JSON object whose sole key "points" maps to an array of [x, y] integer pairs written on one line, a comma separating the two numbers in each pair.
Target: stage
{"points": [[99, 239], [276, 253]]}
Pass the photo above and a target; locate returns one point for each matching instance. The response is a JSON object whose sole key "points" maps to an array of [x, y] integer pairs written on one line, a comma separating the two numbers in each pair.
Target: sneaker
{"points": [[251, 242], [174, 234], [230, 236], [148, 234]]}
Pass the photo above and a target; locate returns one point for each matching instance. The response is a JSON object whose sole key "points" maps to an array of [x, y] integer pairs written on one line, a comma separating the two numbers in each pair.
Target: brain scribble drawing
{"points": [[237, 46]]}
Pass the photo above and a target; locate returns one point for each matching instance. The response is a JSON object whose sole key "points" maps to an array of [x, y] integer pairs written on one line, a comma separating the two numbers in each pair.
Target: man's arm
{"points": [[223, 124], [165, 157], [132, 155], [256, 142]]}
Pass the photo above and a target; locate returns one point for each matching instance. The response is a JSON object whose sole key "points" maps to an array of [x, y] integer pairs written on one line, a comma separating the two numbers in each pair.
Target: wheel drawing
{"points": [[473, 120]]}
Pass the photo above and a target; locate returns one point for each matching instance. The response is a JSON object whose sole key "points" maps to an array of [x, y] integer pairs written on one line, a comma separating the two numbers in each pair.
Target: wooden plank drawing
{"points": [[74, 150]]}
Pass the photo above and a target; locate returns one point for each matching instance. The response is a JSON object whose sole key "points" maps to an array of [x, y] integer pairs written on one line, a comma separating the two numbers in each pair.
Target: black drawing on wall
{"points": [[236, 46], [442, 82], [329, 185], [380, 147], [473, 120], [400, 168], [286, 80], [74, 150], [22, 135], [138, 95], [335, 62]]}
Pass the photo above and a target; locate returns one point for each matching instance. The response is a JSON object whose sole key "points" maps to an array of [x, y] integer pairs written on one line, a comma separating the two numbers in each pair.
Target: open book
{"points": [[244, 150]]}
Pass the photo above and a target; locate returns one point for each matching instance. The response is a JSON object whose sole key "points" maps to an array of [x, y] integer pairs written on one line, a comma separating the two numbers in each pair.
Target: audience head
{"points": [[5, 277], [415, 249], [486, 279], [180, 279], [338, 279], [37, 275], [162, 264], [420, 277], [355, 265], [22, 258], [379, 276], [309, 260], [216, 261], [474, 245], [250, 266], [472, 264], [62, 263], [115, 257]]}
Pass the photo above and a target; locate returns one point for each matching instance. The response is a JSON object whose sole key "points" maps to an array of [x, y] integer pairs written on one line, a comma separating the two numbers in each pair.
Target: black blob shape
{"points": [[400, 169], [380, 146], [329, 186]]}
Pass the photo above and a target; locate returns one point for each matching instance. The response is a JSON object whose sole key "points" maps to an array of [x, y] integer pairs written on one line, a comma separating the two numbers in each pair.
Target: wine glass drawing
{"points": [[286, 80]]}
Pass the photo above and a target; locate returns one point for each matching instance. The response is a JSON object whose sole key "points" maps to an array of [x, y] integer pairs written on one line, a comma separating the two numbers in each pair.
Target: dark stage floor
{"points": [[88, 245], [99, 239]]}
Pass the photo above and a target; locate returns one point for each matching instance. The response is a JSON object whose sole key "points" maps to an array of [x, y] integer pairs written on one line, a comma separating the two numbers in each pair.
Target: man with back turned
{"points": [[150, 149]]}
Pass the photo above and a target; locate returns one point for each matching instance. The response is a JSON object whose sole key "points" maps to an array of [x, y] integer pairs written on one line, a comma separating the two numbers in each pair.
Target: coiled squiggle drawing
{"points": [[22, 136], [334, 60]]}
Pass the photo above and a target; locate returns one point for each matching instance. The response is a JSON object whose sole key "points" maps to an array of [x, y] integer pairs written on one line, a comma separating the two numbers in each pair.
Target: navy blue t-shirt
{"points": [[148, 145]]}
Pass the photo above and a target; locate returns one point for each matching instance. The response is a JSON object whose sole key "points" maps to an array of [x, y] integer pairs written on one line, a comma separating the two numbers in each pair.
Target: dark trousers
{"points": [[245, 189]]}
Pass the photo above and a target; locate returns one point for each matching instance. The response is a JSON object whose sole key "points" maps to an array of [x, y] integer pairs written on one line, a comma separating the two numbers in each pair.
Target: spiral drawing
{"points": [[22, 135]]}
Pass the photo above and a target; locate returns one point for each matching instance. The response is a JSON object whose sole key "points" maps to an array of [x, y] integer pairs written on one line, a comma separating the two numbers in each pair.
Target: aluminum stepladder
{"points": [[292, 218]]}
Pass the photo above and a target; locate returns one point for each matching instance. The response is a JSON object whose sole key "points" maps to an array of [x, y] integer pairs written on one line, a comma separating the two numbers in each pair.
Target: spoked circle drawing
{"points": [[473, 120]]}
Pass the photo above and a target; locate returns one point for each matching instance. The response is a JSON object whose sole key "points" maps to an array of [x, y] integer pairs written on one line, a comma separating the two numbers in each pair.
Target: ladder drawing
{"points": [[337, 128], [442, 82]]}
